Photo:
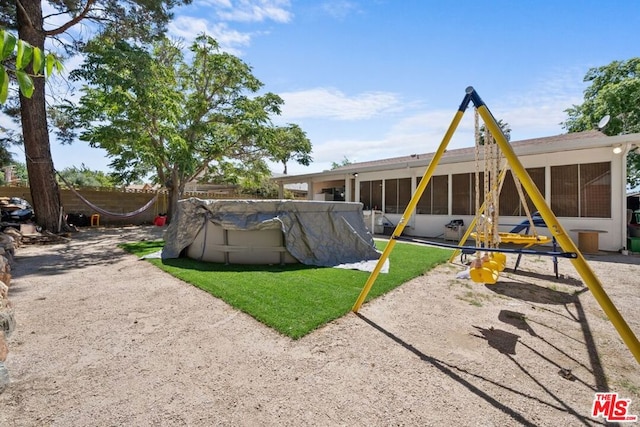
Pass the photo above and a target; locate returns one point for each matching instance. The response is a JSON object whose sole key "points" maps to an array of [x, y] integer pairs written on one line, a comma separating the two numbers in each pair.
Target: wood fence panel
{"points": [[115, 201]]}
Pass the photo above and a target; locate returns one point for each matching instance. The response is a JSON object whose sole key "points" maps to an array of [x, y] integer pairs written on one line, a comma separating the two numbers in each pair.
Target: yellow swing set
{"points": [[554, 226], [485, 268]]}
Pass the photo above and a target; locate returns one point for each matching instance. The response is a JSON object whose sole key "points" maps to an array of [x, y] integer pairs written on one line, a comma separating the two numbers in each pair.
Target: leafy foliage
{"points": [[154, 112], [18, 173], [504, 127], [126, 19], [84, 177], [344, 162], [16, 56], [291, 143], [614, 90]]}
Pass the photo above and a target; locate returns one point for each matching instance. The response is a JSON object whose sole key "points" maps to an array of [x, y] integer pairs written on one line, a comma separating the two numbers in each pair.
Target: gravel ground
{"points": [[104, 339]]}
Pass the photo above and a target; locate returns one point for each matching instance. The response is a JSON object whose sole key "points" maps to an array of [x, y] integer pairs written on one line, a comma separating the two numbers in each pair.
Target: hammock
{"points": [[106, 212]]}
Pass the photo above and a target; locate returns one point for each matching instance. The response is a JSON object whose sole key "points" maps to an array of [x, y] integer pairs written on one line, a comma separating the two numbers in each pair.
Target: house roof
{"points": [[558, 143]]}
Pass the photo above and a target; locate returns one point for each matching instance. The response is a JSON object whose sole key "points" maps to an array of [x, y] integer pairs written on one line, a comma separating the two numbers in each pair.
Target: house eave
{"points": [[521, 148]]}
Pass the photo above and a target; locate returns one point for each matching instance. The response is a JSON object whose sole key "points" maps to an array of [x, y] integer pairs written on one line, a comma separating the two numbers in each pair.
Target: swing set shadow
{"points": [[498, 339], [505, 343], [569, 249]]}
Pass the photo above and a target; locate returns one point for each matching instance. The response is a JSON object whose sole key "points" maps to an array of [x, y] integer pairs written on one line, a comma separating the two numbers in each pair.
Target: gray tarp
{"points": [[315, 233]]}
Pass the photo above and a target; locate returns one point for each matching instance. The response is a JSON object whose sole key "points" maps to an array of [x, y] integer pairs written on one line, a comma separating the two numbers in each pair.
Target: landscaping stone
{"points": [[7, 321], [4, 377], [4, 348]]}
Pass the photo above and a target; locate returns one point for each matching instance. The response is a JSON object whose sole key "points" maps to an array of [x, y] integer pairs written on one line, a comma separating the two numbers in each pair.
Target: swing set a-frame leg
{"points": [[413, 202], [563, 239]]}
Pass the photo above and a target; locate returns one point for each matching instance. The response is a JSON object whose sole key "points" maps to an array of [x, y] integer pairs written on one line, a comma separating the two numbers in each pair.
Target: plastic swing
{"points": [[486, 267], [569, 248]]}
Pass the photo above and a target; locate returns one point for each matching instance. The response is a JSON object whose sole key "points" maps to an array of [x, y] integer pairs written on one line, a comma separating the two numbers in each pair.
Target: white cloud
{"points": [[333, 104], [535, 112], [254, 10], [389, 145], [188, 28], [231, 40], [215, 3], [539, 110], [339, 9]]}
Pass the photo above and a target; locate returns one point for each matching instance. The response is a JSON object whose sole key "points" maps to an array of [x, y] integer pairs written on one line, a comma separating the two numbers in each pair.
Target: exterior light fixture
{"points": [[355, 174], [617, 149]]}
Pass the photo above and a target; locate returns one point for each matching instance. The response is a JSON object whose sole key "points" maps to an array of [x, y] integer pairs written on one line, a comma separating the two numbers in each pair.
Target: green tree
{"points": [[614, 90], [291, 143], [153, 111], [137, 19], [6, 157], [20, 172], [504, 127], [85, 177], [345, 161]]}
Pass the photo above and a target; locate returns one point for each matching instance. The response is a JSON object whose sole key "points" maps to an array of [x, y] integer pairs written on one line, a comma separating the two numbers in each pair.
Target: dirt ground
{"points": [[104, 339]]}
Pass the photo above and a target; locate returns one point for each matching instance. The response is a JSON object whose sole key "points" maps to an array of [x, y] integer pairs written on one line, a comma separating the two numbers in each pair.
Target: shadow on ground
{"points": [[82, 249]]}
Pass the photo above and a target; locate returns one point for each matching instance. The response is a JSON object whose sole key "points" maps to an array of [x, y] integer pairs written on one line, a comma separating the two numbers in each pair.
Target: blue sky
{"points": [[371, 79]]}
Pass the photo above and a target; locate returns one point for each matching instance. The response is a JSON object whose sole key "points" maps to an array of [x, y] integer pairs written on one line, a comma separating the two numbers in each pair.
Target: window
{"points": [[595, 190], [371, 194], [510, 204], [435, 198], [582, 190], [397, 194], [463, 191]]}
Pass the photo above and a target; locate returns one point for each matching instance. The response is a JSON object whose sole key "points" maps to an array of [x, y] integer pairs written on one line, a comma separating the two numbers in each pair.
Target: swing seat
{"points": [[517, 239], [500, 259], [524, 239], [484, 275]]}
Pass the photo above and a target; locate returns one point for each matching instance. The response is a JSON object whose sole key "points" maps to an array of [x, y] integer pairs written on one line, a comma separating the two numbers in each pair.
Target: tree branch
{"points": [[74, 21], [24, 12]]}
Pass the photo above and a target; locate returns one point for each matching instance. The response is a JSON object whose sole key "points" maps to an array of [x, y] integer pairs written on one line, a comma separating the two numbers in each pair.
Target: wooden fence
{"points": [[114, 200]]}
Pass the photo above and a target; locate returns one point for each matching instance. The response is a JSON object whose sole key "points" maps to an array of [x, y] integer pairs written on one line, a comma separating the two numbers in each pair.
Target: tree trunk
{"points": [[175, 189], [45, 193]]}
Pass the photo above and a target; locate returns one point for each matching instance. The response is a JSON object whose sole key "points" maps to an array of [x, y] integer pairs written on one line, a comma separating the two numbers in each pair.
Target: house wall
{"points": [[614, 228], [330, 190]]}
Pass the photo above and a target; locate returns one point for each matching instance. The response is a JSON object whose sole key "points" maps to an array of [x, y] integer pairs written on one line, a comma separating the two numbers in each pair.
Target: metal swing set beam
{"points": [[554, 226]]}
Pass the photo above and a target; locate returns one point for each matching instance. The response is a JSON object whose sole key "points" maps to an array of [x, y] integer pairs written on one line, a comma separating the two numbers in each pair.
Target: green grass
{"points": [[294, 299]]}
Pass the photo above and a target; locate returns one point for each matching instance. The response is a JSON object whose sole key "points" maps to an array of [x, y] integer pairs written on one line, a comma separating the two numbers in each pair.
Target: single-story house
{"points": [[581, 175]]}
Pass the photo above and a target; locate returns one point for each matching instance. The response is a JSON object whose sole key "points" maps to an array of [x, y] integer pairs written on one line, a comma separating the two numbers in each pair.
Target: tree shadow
{"points": [[87, 248]]}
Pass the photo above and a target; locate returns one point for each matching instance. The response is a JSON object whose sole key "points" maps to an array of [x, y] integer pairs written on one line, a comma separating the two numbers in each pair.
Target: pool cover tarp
{"points": [[315, 232]]}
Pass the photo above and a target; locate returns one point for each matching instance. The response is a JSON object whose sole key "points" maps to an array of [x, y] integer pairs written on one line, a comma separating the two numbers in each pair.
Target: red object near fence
{"points": [[160, 220]]}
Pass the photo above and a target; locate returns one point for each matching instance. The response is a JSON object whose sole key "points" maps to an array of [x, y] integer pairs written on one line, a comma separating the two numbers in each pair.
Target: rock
{"points": [[4, 377], [4, 348], [5, 271], [8, 239], [7, 320]]}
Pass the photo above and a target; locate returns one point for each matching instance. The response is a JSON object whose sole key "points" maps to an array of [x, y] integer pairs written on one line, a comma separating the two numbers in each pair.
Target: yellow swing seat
{"points": [[484, 275], [518, 239], [489, 269], [500, 259]]}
